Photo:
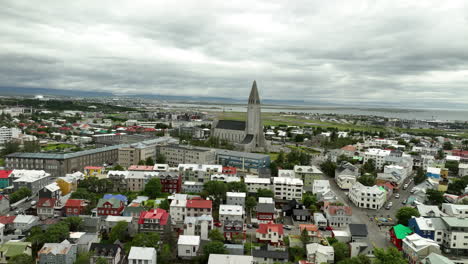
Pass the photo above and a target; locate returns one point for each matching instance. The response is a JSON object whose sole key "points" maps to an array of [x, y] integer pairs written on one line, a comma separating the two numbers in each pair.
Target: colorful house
{"points": [[93, 171], [270, 233], [398, 233], [4, 178], [112, 206], [433, 172], [75, 207], [157, 220]]}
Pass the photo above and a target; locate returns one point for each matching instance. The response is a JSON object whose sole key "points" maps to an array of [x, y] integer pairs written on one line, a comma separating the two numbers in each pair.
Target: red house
{"points": [[265, 212], [234, 229], [75, 207], [154, 220], [398, 233], [229, 170], [112, 206], [270, 233], [171, 182], [197, 207]]}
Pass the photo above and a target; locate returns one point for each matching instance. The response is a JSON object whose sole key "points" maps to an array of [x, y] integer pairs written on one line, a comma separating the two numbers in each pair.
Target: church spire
{"points": [[254, 98]]}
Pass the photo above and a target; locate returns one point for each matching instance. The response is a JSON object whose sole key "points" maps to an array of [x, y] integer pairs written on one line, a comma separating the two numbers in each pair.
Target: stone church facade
{"points": [[246, 136]]}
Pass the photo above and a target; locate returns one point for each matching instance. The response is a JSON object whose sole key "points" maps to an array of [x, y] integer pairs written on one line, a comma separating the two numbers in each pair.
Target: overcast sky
{"points": [[336, 51]]}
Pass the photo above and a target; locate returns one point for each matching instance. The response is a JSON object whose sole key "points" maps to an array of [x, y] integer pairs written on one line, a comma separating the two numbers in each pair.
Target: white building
{"points": [[199, 172], [287, 188], [393, 173], [456, 234], [177, 208], [187, 246], [320, 187], [345, 182], [198, 226], [25, 222], [254, 183], [457, 210], [307, 174], [235, 198], [231, 212], [192, 187], [317, 253], [462, 169], [372, 197], [230, 259], [142, 255], [225, 178], [416, 248], [7, 134], [378, 155], [286, 173]]}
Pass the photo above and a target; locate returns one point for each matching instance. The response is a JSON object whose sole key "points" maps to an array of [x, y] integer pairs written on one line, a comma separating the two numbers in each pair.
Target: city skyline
{"points": [[395, 53]]}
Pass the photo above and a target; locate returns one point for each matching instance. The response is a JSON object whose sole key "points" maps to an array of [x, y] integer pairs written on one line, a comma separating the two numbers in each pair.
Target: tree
{"points": [[457, 186], [360, 259], [164, 204], [341, 251], [309, 199], [404, 214], [420, 176], [215, 235], [452, 166], [83, 258], [296, 254], [149, 161], [21, 259], [217, 190], [31, 146], [141, 163], [160, 158], [250, 202], [389, 256], [213, 247], [305, 238], [368, 167], [74, 223], [118, 232], [153, 188], [236, 187], [367, 179], [21, 193], [328, 167], [165, 254], [448, 145], [435, 197], [101, 260], [146, 239], [118, 168], [10, 147], [265, 193], [299, 138]]}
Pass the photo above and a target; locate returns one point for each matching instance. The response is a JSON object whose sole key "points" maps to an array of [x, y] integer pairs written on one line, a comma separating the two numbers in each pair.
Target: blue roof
{"points": [[120, 197]]}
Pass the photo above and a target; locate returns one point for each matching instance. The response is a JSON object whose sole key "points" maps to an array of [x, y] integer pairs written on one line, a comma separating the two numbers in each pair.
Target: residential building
{"points": [[457, 210], [142, 255], [346, 177], [235, 198], [229, 170], [287, 188], [58, 253], [433, 172], [372, 197], [244, 161], [337, 215], [308, 174], [313, 232], [229, 259], [4, 205], [270, 233], [430, 210], [83, 240], [393, 174], [23, 223], [301, 214], [75, 207], [154, 220], [425, 228], [254, 183], [69, 183], [225, 178], [93, 171], [397, 234], [434, 258], [188, 246], [358, 232], [119, 180], [192, 187], [455, 239], [63, 163], [112, 206], [198, 172], [320, 220], [13, 248], [34, 180], [234, 229], [5, 178], [179, 154], [265, 211], [113, 253], [268, 255], [136, 152], [346, 168], [231, 212], [45, 208], [8, 133], [378, 155], [320, 187], [462, 169], [416, 248], [317, 253], [197, 206], [177, 208], [198, 226]]}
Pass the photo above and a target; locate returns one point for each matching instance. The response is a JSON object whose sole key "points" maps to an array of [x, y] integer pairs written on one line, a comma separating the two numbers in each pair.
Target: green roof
{"points": [[114, 201], [11, 249], [456, 222], [401, 231]]}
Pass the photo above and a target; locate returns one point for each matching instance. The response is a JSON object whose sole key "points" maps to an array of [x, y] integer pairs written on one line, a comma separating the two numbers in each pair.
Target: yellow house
{"points": [[93, 171], [65, 186]]}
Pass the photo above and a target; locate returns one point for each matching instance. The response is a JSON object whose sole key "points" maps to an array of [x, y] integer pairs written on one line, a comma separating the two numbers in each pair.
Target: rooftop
{"points": [[229, 259], [270, 227], [225, 209], [142, 253], [199, 203], [188, 240], [231, 125]]}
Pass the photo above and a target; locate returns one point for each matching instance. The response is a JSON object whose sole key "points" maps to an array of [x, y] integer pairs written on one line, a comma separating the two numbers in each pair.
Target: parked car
{"points": [[397, 195], [218, 224], [33, 203], [249, 226], [389, 205], [413, 190], [405, 186], [404, 201], [287, 227]]}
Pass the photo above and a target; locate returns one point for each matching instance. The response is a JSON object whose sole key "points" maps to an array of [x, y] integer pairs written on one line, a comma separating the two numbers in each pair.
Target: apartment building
{"points": [[231, 212], [235, 198], [287, 188], [198, 172], [308, 174], [372, 197], [198, 226], [7, 134], [455, 238], [134, 153], [457, 210], [378, 155], [179, 154], [254, 183], [416, 248], [34, 180]]}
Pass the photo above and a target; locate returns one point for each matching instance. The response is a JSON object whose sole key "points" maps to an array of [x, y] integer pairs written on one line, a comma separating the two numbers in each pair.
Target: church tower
{"points": [[254, 122]]}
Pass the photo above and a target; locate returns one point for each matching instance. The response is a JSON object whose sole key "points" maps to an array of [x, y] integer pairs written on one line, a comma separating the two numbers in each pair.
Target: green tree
{"points": [[341, 251], [153, 188], [31, 146], [83, 258], [141, 163], [404, 214], [328, 167], [448, 145], [452, 166], [118, 232], [360, 259], [309, 199], [165, 255], [216, 190], [369, 167], [74, 223], [213, 247], [236, 187], [118, 168], [265, 193], [215, 235], [21, 259], [164, 204], [389, 256], [457, 186], [146, 239], [21, 193], [367, 179], [299, 138], [250, 202], [160, 158], [435, 197], [420, 176], [101, 260], [305, 238], [149, 161], [296, 254], [10, 147]]}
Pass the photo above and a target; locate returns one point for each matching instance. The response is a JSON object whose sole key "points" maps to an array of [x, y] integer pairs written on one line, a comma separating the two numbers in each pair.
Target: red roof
{"points": [[7, 219], [149, 129], [92, 168], [75, 203], [5, 174], [140, 168], [332, 209], [158, 214], [270, 227], [308, 227], [64, 128], [349, 148], [199, 203], [46, 202]]}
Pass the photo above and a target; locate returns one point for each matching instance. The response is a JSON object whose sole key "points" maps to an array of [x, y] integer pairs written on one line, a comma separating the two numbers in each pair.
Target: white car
{"points": [[389, 205], [397, 195]]}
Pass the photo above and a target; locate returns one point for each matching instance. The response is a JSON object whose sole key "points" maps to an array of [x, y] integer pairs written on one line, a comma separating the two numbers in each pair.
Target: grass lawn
{"points": [[51, 147], [305, 149]]}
